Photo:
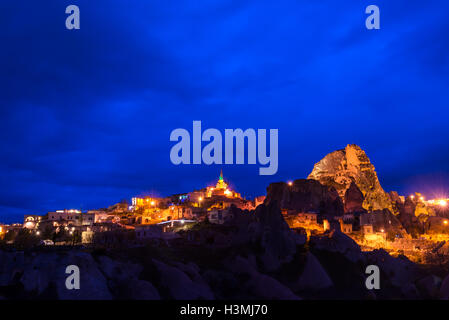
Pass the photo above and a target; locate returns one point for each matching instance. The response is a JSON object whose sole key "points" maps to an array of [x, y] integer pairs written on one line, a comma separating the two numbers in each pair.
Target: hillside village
{"points": [[305, 226]]}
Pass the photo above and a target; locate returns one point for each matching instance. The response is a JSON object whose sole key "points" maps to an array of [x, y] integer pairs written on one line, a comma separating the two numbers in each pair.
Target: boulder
{"points": [[314, 277], [259, 285], [93, 285], [117, 270], [179, 285], [337, 241], [274, 236], [140, 290], [429, 285], [400, 270], [444, 289], [38, 272]]}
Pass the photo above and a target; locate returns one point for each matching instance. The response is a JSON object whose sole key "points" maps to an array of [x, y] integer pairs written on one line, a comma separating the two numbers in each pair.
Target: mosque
{"points": [[221, 189]]}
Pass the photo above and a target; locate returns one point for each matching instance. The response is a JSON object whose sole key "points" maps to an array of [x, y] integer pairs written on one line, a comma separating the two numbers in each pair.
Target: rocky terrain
{"points": [[255, 255], [259, 259]]}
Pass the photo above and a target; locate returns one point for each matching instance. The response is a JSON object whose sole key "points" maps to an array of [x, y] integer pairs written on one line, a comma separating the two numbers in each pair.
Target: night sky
{"points": [[86, 114]]}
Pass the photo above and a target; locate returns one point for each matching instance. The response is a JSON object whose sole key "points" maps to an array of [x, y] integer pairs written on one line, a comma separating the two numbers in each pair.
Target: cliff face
{"points": [[340, 168]]}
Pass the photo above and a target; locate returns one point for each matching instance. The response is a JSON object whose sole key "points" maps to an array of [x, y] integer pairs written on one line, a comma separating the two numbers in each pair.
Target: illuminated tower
{"points": [[221, 184]]}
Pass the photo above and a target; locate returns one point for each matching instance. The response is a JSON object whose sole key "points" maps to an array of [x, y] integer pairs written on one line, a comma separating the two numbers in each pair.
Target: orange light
{"points": [[200, 199], [442, 203], [421, 198], [152, 203], [412, 197], [382, 230], [445, 222], [290, 183]]}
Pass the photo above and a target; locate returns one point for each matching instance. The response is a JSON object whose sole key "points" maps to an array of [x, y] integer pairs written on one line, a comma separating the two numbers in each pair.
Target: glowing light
{"points": [[382, 230], [200, 199], [152, 203], [412, 197], [442, 203], [421, 198], [290, 183], [445, 222], [227, 192], [37, 232]]}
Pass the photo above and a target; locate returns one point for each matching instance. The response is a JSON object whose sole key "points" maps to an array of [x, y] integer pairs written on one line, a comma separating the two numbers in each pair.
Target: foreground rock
{"points": [[179, 285], [314, 276]]}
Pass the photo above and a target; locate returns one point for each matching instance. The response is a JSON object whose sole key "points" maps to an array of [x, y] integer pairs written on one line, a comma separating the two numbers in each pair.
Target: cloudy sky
{"points": [[86, 115]]}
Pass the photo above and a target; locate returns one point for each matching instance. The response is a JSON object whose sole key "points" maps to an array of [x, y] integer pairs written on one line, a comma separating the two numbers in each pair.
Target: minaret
{"points": [[221, 184]]}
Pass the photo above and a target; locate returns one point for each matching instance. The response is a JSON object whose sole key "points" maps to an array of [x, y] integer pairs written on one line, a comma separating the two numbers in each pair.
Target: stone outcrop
{"points": [[305, 196], [179, 285], [257, 284], [337, 241], [314, 276], [354, 199], [274, 236], [339, 169]]}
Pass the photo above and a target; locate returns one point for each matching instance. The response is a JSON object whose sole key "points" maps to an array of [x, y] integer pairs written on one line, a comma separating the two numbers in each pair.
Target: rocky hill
{"points": [[339, 169]]}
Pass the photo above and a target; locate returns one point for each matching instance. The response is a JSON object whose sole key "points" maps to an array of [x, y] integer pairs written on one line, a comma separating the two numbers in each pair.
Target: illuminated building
{"points": [[31, 221], [221, 189], [66, 214], [2, 231]]}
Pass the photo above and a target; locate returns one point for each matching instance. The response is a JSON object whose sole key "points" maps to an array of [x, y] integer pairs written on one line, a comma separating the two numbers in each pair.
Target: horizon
{"points": [[87, 114]]}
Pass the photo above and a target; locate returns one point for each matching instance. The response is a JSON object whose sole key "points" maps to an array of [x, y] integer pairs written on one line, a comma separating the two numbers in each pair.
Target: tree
{"points": [[25, 239]]}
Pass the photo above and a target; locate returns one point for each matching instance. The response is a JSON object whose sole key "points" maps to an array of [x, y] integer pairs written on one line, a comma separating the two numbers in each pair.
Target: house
{"points": [[66, 216], [307, 217], [367, 229], [31, 222], [345, 227]]}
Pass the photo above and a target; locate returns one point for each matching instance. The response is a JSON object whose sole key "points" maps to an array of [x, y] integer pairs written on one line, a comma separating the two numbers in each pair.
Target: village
{"points": [[148, 218]]}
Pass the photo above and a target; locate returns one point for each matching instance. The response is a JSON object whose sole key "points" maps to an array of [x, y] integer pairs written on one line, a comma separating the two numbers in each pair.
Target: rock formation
{"points": [[354, 199], [305, 196], [339, 169]]}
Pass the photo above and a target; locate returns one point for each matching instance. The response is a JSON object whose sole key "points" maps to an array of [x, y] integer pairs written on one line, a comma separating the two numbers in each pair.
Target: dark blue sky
{"points": [[86, 115]]}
